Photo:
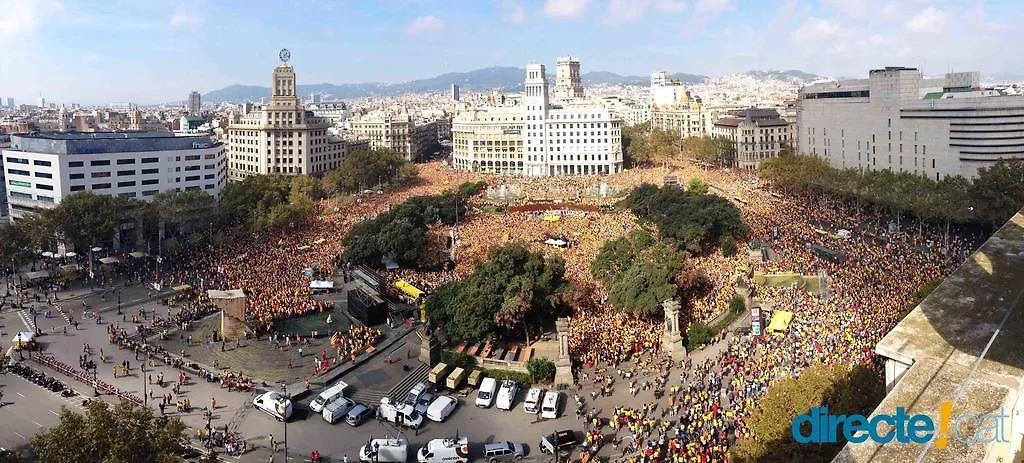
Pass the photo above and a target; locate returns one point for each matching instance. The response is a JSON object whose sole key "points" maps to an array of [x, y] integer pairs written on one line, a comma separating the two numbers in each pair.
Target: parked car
{"points": [[533, 398], [485, 397], [424, 401], [507, 394], [414, 394], [441, 408], [358, 414], [504, 451], [338, 409], [274, 404]]}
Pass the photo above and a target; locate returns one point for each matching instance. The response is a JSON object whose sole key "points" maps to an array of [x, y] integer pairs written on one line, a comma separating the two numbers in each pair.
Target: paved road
{"points": [[28, 409]]}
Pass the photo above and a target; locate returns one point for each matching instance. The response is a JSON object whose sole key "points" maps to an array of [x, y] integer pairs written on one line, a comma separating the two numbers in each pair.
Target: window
{"points": [[122, 162], [41, 163], [20, 195], [125, 184], [101, 162], [149, 192], [19, 183], [78, 176], [45, 199], [122, 173], [75, 164], [152, 181], [191, 168], [209, 186], [43, 175], [17, 160], [43, 186], [208, 177], [100, 174], [100, 186], [150, 160], [130, 194], [77, 187], [210, 166], [194, 157], [191, 178], [150, 171], [18, 172]]}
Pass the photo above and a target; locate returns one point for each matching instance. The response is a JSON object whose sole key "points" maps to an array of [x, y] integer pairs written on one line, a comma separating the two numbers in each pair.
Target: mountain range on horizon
{"points": [[505, 78]]}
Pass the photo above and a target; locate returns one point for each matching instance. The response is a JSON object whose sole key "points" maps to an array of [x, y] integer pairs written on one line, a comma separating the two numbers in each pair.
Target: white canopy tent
{"points": [[321, 284], [70, 254], [109, 260], [556, 243], [96, 249], [137, 254], [36, 275]]}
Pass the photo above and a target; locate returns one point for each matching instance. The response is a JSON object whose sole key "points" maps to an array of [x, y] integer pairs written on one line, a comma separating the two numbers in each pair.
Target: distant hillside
{"points": [[497, 77], [794, 76]]}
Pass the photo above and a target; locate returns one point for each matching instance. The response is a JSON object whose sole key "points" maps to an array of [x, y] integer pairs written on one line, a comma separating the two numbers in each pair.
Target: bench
{"points": [[528, 354]]}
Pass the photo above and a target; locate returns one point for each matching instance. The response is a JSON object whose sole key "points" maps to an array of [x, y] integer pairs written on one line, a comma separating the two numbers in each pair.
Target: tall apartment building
{"points": [[757, 134], [195, 103], [568, 83], [537, 137], [673, 107], [5, 142], [455, 92], [282, 137], [396, 131], [897, 119], [44, 168]]}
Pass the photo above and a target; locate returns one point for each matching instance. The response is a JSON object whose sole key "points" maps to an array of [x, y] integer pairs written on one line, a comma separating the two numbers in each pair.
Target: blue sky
{"points": [[152, 51]]}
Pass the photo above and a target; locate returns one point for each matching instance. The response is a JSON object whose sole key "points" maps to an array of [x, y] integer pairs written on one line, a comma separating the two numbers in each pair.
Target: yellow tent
{"points": [[302, 248], [780, 321], [320, 241], [182, 288], [409, 289], [552, 217]]}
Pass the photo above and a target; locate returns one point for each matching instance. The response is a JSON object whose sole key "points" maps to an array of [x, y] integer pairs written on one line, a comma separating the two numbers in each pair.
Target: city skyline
{"points": [[71, 51]]}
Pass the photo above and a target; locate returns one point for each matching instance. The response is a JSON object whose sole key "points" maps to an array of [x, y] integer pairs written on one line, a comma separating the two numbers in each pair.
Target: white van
{"points": [[400, 414], [532, 402], [441, 407], [329, 395], [507, 394], [414, 394], [337, 410], [485, 397], [446, 450], [549, 410], [390, 450]]}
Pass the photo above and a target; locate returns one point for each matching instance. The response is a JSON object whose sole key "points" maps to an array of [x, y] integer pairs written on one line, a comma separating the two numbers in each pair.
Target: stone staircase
{"points": [[417, 375], [368, 396]]}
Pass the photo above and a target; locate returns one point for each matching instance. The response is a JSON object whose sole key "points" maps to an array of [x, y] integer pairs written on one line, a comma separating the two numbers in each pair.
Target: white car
{"points": [[507, 394], [441, 408], [274, 404]]}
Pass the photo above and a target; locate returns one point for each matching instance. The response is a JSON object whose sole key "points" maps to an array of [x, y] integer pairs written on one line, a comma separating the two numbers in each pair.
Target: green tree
{"points": [[15, 244], [11, 456], [687, 218], [108, 434], [697, 186], [698, 335], [541, 369], [468, 189], [246, 201], [513, 288], [362, 170], [998, 192], [844, 389], [85, 219], [402, 241]]}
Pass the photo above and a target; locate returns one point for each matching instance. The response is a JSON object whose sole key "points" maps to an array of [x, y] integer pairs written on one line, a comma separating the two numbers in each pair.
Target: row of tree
{"points": [[689, 219], [644, 146], [991, 198]]}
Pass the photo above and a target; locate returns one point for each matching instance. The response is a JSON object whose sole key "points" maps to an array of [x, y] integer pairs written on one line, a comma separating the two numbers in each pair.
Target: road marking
{"points": [[54, 413], [21, 436], [22, 395], [37, 423]]}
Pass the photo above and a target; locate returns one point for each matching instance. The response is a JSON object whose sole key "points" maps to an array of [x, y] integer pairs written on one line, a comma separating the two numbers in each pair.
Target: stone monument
{"points": [[672, 338], [563, 366], [430, 348], [232, 312]]}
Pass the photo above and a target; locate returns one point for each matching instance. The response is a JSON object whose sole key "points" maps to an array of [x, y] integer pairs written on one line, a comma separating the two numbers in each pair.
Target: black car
{"points": [[358, 414], [558, 441]]}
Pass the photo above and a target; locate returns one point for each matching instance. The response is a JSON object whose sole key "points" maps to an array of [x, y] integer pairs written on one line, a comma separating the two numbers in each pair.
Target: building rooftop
{"points": [[944, 337], [73, 143]]}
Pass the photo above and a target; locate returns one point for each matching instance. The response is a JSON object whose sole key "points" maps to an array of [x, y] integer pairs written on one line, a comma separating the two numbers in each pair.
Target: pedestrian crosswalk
{"points": [[27, 319]]}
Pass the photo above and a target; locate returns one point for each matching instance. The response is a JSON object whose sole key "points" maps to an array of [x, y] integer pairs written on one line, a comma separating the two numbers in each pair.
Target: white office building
{"points": [[536, 137], [42, 169], [899, 120]]}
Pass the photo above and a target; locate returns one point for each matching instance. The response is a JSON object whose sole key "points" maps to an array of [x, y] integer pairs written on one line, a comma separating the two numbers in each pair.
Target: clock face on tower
{"points": [[284, 55]]}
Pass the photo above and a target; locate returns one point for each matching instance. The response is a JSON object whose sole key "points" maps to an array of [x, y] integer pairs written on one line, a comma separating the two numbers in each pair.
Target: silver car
{"points": [[504, 451]]}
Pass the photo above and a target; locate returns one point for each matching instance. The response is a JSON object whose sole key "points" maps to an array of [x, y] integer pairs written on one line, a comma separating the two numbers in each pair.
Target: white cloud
{"points": [[850, 8], [184, 19], [816, 29], [424, 24], [566, 9], [713, 6], [513, 12], [90, 58], [21, 16], [620, 11], [928, 20]]}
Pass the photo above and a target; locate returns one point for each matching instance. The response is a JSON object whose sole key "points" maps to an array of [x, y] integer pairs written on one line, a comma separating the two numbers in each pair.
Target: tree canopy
{"points": [[85, 219], [362, 170], [687, 218], [644, 145], [105, 434], [844, 389], [512, 288], [717, 149], [401, 233]]}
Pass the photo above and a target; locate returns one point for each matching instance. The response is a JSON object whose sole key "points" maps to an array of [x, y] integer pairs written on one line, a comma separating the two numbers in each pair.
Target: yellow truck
{"points": [[455, 378], [438, 373]]}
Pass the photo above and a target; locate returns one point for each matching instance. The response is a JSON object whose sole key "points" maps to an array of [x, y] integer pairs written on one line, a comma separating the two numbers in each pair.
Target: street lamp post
{"points": [[145, 392], [119, 302], [284, 390]]}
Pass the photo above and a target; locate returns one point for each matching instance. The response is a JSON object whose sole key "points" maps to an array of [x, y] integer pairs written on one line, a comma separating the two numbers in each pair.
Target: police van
{"points": [[446, 450]]}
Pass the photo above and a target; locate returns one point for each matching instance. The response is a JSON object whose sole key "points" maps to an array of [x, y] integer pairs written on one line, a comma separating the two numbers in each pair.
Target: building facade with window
{"points": [[397, 131], [756, 133], [538, 138], [42, 169], [282, 137], [899, 120]]}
